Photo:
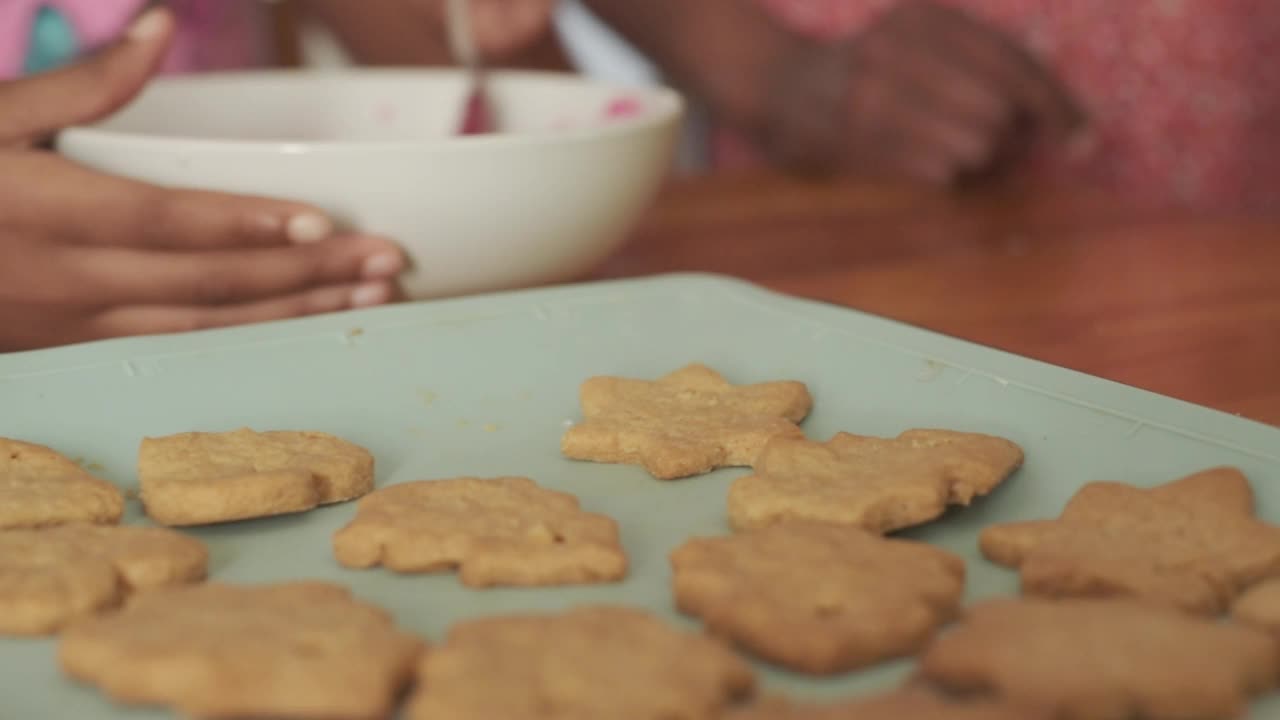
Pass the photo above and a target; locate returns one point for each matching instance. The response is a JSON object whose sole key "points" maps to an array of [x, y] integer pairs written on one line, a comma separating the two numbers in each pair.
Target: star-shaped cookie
{"points": [[590, 662], [818, 598], [1192, 544], [686, 423], [1103, 659], [495, 531], [39, 488], [877, 484]]}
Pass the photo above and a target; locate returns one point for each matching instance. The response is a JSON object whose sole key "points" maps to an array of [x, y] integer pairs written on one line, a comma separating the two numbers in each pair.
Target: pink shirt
{"points": [[212, 34], [1184, 94]]}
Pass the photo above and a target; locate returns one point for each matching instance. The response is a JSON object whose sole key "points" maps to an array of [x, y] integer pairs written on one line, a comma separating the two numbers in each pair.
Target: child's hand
{"points": [[926, 93], [85, 255]]}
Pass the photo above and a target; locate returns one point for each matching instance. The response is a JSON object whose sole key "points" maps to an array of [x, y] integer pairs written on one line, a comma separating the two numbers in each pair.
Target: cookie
{"points": [[39, 487], [1192, 544], [1260, 606], [687, 423], [1101, 659], [291, 650], [877, 484], [899, 705], [592, 662], [53, 576], [495, 531], [818, 598], [203, 478]]}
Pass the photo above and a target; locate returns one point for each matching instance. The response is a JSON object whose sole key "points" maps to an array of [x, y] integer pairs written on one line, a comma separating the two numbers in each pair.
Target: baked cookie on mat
{"points": [[1103, 659], [1192, 544], [292, 650], [39, 487], [50, 577], [591, 662], [494, 531], [908, 704], [201, 478], [689, 422], [877, 484], [818, 598]]}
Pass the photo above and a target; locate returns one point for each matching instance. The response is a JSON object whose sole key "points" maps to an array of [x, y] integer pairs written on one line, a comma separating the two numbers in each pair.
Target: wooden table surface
{"points": [[1182, 304]]}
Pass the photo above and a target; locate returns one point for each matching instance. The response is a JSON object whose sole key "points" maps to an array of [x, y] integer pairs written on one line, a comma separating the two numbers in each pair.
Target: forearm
{"points": [[392, 33], [721, 50]]}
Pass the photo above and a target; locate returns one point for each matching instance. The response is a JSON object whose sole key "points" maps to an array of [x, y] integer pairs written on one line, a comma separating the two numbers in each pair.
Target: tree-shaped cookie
{"points": [[1192, 544], [39, 487], [818, 598], [200, 478], [912, 704], [591, 662], [878, 484], [494, 531], [52, 576], [686, 423], [1103, 659], [296, 650]]}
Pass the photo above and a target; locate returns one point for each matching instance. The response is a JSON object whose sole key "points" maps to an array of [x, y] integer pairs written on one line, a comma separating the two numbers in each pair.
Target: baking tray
{"points": [[486, 385]]}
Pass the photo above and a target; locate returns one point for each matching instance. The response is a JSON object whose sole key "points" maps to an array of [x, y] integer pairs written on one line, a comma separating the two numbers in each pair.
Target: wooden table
{"points": [[1182, 304]]}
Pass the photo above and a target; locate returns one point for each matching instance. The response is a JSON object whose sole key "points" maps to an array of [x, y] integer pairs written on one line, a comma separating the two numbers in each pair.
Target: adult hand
{"points": [[926, 93], [85, 255]]}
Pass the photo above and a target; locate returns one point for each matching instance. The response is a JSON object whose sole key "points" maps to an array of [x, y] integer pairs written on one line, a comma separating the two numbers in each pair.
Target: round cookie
{"points": [[818, 598], [591, 662], [296, 650]]}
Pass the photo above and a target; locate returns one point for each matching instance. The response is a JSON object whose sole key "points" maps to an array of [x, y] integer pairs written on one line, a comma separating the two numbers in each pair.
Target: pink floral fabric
{"points": [[1184, 95], [212, 34]]}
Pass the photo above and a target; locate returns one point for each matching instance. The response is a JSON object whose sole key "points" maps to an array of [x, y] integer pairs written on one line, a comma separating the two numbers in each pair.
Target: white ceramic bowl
{"points": [[543, 202]]}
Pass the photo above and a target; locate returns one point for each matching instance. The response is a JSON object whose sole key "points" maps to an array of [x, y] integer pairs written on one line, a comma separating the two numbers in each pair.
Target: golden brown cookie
{"points": [[873, 483], [1091, 659], [1260, 606], [900, 705], [291, 650], [52, 576], [202, 478], [689, 422], [1191, 544], [495, 531], [592, 662], [818, 598], [39, 487]]}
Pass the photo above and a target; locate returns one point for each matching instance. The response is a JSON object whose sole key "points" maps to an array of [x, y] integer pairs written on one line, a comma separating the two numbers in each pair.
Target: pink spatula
{"points": [[477, 112]]}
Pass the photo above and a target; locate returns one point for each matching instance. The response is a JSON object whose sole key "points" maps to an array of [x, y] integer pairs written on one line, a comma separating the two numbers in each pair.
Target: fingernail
{"points": [[148, 25], [308, 228], [381, 266], [369, 295]]}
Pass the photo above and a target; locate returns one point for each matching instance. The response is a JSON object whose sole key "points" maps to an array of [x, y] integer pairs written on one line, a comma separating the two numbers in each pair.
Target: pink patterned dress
{"points": [[1184, 95], [212, 34]]}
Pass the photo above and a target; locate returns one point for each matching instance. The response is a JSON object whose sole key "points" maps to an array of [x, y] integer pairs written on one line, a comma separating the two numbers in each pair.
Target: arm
{"points": [[412, 32], [715, 49]]}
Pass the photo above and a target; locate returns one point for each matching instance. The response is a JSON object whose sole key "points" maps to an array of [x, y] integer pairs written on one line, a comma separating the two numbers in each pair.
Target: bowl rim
{"points": [[670, 108]]}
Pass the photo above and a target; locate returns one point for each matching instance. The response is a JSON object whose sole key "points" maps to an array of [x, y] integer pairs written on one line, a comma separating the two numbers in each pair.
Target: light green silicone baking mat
{"points": [[485, 386]]}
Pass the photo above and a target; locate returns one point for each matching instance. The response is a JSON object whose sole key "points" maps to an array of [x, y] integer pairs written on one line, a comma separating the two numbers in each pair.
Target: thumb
{"points": [[35, 107]]}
